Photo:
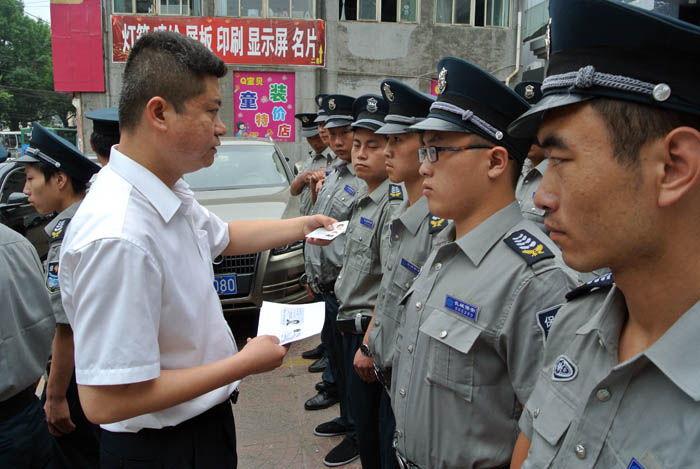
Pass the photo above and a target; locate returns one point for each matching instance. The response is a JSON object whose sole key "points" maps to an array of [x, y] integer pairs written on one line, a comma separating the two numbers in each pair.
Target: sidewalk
{"points": [[273, 429]]}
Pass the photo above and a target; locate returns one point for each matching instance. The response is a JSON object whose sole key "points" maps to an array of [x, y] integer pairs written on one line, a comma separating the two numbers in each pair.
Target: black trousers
{"points": [[81, 447], [202, 442], [370, 409]]}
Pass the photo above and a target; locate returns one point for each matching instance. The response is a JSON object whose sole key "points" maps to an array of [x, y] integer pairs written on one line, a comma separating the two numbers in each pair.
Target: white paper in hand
{"points": [[290, 323], [322, 233]]}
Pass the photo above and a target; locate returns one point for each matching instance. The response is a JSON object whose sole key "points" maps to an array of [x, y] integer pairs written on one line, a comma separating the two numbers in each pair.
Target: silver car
{"points": [[250, 179]]}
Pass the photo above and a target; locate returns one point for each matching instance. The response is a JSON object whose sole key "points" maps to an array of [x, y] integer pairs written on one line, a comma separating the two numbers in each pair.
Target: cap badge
{"points": [[305, 119], [529, 91], [372, 105], [442, 80], [387, 92], [331, 104], [661, 92], [319, 101]]}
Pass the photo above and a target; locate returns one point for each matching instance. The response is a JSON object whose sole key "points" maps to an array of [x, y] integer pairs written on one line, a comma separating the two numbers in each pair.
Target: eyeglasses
{"points": [[431, 153]]}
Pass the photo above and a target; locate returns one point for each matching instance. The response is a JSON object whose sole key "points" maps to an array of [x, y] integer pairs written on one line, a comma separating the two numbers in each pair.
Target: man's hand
{"points": [[58, 416], [263, 353], [316, 221], [364, 366]]}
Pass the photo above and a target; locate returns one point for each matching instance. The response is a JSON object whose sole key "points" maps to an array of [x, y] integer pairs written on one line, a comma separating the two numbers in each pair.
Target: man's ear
{"points": [[498, 162], [681, 170], [61, 179], [156, 113]]}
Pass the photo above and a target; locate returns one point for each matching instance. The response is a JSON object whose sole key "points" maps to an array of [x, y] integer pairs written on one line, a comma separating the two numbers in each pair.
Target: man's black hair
{"points": [[79, 187], [103, 143], [166, 64]]}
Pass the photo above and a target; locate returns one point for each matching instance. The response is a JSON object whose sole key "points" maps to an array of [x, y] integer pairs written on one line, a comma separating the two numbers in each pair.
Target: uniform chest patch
{"points": [[59, 229], [529, 247], [634, 464], [564, 369], [436, 224], [367, 222], [461, 307], [413, 268], [545, 319], [52, 277], [349, 190], [395, 192]]}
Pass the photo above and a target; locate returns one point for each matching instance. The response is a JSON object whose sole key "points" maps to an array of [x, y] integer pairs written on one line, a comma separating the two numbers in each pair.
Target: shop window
{"points": [[267, 8], [386, 11], [474, 12]]}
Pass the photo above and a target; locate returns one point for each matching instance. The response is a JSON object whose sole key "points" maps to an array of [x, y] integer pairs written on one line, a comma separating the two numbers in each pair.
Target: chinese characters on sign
{"points": [[234, 40], [434, 87], [264, 105]]}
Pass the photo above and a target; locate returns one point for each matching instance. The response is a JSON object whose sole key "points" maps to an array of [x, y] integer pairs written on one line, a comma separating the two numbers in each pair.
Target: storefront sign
{"points": [[264, 105]]}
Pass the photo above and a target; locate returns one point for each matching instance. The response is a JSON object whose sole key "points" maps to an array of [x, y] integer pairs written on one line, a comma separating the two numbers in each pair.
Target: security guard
{"points": [[620, 125], [477, 315], [318, 159], [335, 199], [27, 325], [321, 119], [57, 177], [358, 281], [105, 132], [534, 166], [405, 244]]}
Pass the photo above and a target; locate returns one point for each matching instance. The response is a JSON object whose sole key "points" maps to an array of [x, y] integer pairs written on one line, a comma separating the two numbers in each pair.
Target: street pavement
{"points": [[273, 429]]}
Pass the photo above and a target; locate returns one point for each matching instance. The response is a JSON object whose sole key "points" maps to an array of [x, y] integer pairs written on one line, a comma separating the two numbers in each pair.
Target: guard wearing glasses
{"points": [[477, 316], [57, 178]]}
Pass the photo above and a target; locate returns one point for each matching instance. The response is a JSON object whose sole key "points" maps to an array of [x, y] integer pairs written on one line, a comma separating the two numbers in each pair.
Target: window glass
{"points": [[368, 10], [169, 7], [443, 11], [303, 8], [195, 8], [278, 8], [143, 6], [227, 7], [462, 11], [388, 9], [408, 11], [498, 12], [251, 8], [122, 6]]}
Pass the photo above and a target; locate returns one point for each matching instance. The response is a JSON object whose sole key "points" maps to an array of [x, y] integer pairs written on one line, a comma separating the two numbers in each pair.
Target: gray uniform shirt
{"points": [[358, 281], [335, 199], [529, 181], [56, 229], [471, 338], [589, 410], [26, 323], [313, 162], [406, 243]]}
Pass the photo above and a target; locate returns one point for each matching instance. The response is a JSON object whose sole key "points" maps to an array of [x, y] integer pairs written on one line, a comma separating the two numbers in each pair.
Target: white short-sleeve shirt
{"points": [[137, 286]]}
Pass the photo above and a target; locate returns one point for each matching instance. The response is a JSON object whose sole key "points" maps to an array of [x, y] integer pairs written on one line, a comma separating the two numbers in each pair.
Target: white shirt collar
{"points": [[165, 200]]}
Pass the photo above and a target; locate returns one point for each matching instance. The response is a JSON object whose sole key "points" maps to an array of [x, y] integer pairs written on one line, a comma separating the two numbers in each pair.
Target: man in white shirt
{"points": [[155, 361]]}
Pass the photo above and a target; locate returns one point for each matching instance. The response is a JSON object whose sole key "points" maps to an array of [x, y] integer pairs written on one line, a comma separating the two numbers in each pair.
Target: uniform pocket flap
{"points": [[456, 334], [553, 419]]}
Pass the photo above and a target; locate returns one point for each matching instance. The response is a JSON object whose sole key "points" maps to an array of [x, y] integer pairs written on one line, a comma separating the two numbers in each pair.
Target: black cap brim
{"points": [[321, 118], [335, 123], [309, 132], [441, 125], [27, 159], [527, 124], [392, 129], [367, 124]]}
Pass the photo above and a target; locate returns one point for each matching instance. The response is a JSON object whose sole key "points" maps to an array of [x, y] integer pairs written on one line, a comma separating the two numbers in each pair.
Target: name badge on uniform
{"points": [[367, 222], [545, 319], [634, 464], [413, 268], [461, 307], [328, 171], [349, 190], [564, 369], [52, 277]]}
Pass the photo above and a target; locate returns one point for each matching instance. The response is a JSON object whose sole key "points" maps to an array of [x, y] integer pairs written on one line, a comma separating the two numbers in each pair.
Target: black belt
{"points": [[11, 407], [357, 325], [323, 288]]}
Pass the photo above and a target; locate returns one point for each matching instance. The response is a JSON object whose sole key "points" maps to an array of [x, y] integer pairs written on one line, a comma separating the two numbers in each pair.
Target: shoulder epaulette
{"points": [[604, 281], [529, 247], [395, 192], [437, 224], [59, 230]]}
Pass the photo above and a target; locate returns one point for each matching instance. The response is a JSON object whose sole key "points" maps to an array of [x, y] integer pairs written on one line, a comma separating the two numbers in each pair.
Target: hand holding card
{"points": [[328, 235]]}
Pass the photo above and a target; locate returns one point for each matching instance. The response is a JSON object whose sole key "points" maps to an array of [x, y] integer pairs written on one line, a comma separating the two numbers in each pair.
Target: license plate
{"points": [[226, 284]]}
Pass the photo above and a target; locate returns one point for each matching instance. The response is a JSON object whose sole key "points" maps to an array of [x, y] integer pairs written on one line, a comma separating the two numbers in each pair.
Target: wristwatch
{"points": [[364, 349]]}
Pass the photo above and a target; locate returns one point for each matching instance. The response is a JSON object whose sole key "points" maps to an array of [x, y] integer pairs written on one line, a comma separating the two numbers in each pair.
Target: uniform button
{"points": [[329, 196], [580, 451], [389, 267], [396, 237], [603, 394], [406, 284], [340, 276], [410, 348], [402, 392], [342, 198], [376, 323], [419, 305], [360, 238], [536, 412], [443, 334], [438, 266], [398, 434], [533, 209]]}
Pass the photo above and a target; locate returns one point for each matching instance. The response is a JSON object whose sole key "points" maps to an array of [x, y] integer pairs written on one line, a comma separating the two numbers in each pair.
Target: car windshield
{"points": [[240, 166]]}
